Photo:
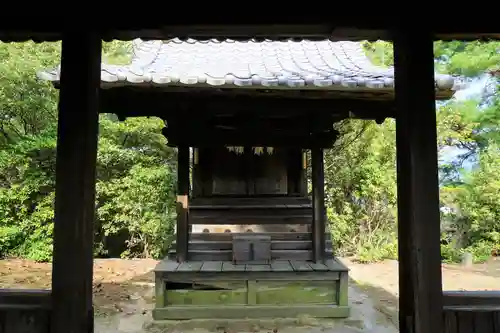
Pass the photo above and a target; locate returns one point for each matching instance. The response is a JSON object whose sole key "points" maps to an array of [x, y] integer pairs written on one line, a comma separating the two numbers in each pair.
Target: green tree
{"points": [[135, 172], [360, 183]]}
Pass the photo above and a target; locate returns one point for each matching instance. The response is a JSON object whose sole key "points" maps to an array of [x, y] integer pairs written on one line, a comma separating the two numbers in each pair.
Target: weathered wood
{"points": [[197, 189], [350, 25], [182, 227], [211, 266], [233, 292], [335, 264], [205, 168], [251, 249], [275, 236], [294, 171], [167, 266], [294, 124], [281, 266], [218, 246], [192, 266], [75, 183], [471, 320], [484, 321], [303, 176], [471, 311], [237, 207], [246, 174], [160, 300], [28, 319], [240, 130], [130, 102], [216, 138], [465, 321], [301, 266], [291, 245], [249, 166], [296, 292], [318, 267], [418, 191], [250, 213], [249, 202], [257, 268], [227, 245], [245, 311], [228, 266], [471, 298], [269, 289], [195, 245], [450, 322], [227, 255], [172, 267], [25, 310], [35, 297], [212, 297], [252, 292], [342, 289], [259, 219], [319, 213], [496, 321], [250, 274]]}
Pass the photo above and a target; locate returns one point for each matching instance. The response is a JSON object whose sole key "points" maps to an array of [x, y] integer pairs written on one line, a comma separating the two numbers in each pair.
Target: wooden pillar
{"points": [[75, 184], [303, 175], [420, 278], [296, 177], [182, 230], [197, 187], [318, 196], [250, 172], [207, 169], [292, 172]]}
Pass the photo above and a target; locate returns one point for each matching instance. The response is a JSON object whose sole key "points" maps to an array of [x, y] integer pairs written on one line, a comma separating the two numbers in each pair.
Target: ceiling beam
{"points": [[128, 102], [338, 26]]}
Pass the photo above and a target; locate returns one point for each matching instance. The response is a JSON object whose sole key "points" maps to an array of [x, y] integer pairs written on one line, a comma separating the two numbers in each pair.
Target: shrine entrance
{"points": [[251, 172]]}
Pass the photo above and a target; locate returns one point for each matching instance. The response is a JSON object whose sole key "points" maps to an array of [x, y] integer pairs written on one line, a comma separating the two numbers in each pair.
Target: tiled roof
{"points": [[317, 65]]}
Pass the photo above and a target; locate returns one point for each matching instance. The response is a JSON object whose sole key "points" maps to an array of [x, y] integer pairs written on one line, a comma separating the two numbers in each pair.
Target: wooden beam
{"points": [[421, 303], [249, 121], [147, 101], [347, 24], [182, 230], [75, 184], [319, 214], [255, 138]]}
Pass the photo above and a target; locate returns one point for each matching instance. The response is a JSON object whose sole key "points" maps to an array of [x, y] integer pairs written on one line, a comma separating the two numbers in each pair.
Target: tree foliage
{"points": [[360, 179], [135, 168]]}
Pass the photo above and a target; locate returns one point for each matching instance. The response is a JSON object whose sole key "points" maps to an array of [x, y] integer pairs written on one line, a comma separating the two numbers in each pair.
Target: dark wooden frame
{"points": [[417, 169], [421, 298]]}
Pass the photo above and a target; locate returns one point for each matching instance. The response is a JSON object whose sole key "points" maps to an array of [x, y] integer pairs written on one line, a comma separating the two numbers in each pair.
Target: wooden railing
{"points": [[471, 311], [25, 311]]}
